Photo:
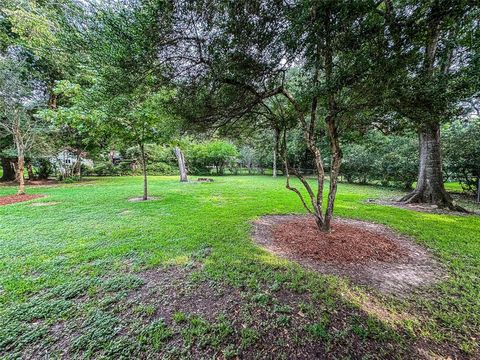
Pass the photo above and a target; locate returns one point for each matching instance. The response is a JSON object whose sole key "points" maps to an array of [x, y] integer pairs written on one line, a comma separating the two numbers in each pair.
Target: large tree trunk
{"points": [[181, 164], [430, 188], [20, 177], [144, 170], [8, 170]]}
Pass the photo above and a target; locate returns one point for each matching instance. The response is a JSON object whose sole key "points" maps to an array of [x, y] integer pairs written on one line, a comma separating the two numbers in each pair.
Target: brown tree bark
{"points": [[78, 163], [181, 164], [8, 170], [144, 171], [28, 165], [274, 170], [430, 188], [20, 177]]}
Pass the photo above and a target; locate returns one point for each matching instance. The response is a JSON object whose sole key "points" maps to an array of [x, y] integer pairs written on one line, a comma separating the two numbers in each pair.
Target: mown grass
{"points": [[71, 268]]}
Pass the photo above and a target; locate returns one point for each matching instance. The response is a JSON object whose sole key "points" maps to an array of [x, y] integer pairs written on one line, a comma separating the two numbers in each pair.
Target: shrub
{"points": [[461, 152]]}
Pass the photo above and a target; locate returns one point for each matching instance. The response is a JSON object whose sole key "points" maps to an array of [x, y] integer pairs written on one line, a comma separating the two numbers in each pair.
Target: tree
{"points": [[78, 127], [8, 170], [219, 153], [20, 96], [431, 67], [461, 148], [128, 87], [316, 55]]}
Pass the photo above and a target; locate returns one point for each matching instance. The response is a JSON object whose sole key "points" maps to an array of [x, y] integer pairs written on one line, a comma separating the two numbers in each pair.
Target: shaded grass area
{"points": [[96, 275]]}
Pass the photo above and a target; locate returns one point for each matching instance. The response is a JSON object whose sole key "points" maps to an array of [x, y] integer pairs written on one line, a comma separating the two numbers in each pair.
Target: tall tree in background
{"points": [[434, 48]]}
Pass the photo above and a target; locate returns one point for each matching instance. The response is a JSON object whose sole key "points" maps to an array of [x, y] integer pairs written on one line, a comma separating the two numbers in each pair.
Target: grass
{"points": [[72, 277]]}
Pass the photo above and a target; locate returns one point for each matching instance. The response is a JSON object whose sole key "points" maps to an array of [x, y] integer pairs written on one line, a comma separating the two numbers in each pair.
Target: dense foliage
{"points": [[461, 141], [286, 83]]}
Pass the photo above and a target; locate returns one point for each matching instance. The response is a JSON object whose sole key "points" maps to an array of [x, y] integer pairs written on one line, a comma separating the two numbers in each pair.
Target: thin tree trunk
{"points": [[78, 163], [20, 177], [181, 164], [274, 170], [430, 188], [8, 170], [334, 170], [144, 170], [28, 165], [478, 189]]}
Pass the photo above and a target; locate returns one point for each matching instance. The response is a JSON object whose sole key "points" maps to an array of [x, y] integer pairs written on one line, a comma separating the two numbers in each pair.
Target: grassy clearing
{"points": [[96, 275]]}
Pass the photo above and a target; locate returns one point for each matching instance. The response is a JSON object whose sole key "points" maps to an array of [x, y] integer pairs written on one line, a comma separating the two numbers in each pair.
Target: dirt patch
{"points": [[49, 203], [42, 182], [368, 254], [140, 198], [12, 199], [426, 208], [46, 182], [171, 290]]}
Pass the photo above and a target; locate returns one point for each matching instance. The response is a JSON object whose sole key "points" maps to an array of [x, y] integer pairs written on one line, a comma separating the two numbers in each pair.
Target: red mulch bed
{"points": [[346, 243], [12, 199]]}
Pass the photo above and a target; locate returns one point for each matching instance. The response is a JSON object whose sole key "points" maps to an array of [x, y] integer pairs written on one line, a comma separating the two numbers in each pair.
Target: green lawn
{"points": [[96, 275]]}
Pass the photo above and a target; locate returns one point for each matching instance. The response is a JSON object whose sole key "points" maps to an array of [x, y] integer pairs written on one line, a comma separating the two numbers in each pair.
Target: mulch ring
{"points": [[12, 199], [140, 199], [368, 254]]}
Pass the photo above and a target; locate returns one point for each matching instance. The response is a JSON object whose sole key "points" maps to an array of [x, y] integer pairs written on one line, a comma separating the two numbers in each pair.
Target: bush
{"points": [[217, 153], [44, 168], [391, 160], [105, 169], [461, 152]]}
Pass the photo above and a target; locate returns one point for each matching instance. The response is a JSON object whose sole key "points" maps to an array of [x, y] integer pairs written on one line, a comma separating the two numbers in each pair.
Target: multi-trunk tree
{"points": [[20, 96], [316, 55]]}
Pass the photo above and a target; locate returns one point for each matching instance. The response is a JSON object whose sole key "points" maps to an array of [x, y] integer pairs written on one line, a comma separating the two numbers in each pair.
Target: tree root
{"points": [[416, 197]]}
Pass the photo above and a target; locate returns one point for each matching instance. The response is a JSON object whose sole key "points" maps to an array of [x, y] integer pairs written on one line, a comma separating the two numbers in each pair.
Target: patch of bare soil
{"points": [[12, 199], [49, 203], [426, 208], [262, 324], [44, 182], [140, 198], [368, 254]]}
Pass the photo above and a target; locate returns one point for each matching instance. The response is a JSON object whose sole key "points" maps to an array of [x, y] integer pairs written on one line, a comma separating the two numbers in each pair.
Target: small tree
{"points": [[19, 97], [220, 153]]}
